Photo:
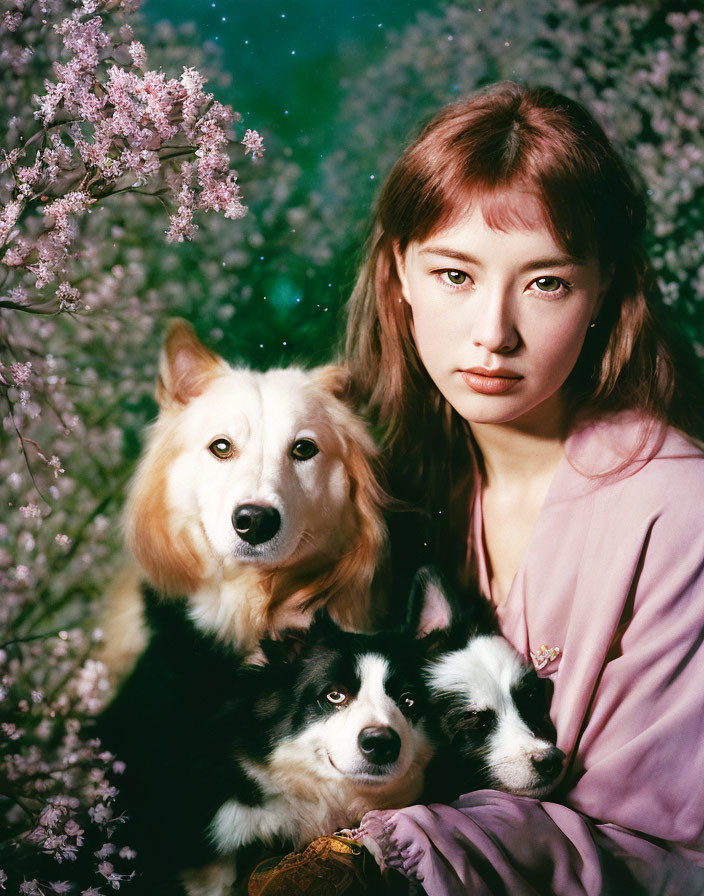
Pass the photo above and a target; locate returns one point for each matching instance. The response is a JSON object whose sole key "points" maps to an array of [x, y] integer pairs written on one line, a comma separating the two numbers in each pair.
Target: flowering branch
{"points": [[109, 129]]}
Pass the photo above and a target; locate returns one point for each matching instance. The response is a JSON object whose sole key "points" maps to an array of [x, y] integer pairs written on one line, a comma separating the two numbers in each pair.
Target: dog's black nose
{"points": [[256, 523], [379, 745], [548, 764]]}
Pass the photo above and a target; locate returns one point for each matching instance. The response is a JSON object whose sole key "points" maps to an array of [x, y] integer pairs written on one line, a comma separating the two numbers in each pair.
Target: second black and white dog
{"points": [[490, 717]]}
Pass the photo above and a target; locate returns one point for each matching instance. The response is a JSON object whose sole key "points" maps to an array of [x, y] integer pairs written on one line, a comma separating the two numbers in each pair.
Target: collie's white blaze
{"points": [[262, 415], [318, 780], [372, 708], [481, 675]]}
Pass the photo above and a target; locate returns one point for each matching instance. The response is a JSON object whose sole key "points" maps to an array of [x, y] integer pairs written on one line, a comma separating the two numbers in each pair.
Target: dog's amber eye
{"points": [[407, 701], [337, 697], [221, 448], [304, 449]]}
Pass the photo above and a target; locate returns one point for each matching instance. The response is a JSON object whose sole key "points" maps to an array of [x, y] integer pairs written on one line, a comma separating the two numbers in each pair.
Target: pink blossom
{"points": [[182, 226], [31, 888], [69, 297], [31, 511], [13, 257], [9, 215], [138, 54], [254, 143], [91, 686], [49, 102], [12, 20], [28, 176], [21, 371], [85, 39], [73, 829], [70, 204], [100, 813], [51, 815], [11, 731], [55, 463]]}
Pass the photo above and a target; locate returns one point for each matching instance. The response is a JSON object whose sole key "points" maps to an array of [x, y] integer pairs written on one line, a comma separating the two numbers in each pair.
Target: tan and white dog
{"points": [[254, 499]]}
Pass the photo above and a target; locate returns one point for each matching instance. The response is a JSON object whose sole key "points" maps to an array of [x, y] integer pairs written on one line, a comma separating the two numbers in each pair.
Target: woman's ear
{"points": [[401, 271]]}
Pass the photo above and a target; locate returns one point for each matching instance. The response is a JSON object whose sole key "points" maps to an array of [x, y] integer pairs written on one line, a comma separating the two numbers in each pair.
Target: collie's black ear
{"points": [[322, 626], [431, 607], [286, 648]]}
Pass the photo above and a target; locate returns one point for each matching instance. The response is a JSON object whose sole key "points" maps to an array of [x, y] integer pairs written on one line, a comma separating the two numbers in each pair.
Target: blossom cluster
{"points": [[56, 783], [104, 124]]}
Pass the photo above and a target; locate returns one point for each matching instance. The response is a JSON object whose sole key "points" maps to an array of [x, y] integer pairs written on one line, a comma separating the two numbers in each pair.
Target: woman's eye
{"points": [[304, 449], [456, 278], [337, 697], [221, 448], [549, 284]]}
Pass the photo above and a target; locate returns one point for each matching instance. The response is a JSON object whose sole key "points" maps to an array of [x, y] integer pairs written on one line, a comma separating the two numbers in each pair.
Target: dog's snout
{"points": [[256, 523], [379, 745], [548, 764]]}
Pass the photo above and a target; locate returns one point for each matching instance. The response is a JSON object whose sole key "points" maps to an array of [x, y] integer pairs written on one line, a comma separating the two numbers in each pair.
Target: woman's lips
{"points": [[490, 382]]}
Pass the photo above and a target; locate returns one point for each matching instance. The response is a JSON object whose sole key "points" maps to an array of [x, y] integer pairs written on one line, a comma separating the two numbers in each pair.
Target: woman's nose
{"points": [[494, 325]]}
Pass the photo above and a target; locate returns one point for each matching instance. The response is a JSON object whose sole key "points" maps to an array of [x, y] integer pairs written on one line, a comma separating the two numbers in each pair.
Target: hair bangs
{"points": [[493, 152]]}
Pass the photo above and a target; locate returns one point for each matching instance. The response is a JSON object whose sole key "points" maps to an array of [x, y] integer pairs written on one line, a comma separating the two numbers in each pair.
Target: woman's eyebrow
{"points": [[451, 253], [557, 261]]}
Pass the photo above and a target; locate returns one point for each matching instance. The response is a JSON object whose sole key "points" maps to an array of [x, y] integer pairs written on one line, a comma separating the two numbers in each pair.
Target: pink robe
{"points": [[614, 578]]}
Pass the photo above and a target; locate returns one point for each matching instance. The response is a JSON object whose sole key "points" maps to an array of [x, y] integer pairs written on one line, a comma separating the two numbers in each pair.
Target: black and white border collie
{"points": [[490, 710], [339, 730], [222, 756]]}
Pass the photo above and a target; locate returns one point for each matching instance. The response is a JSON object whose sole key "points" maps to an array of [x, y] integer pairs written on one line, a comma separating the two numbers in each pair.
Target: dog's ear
{"points": [[334, 378], [292, 642], [186, 366], [430, 604], [323, 626], [286, 648]]}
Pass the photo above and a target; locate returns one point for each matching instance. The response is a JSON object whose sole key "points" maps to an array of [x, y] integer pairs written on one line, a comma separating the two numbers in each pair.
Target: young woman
{"points": [[505, 333]]}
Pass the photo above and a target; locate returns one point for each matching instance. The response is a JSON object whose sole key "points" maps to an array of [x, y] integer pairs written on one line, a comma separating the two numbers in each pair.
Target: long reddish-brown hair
{"points": [[510, 137]]}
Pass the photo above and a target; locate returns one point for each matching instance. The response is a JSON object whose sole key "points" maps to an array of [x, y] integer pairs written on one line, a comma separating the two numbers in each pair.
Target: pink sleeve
{"points": [[494, 843]]}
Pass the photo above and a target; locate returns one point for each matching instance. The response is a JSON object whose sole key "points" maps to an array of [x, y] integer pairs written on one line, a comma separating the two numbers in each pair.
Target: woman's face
{"points": [[500, 317]]}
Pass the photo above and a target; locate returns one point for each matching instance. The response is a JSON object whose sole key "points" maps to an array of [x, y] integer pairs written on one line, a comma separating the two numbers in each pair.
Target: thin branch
{"points": [[28, 309], [30, 638], [22, 441]]}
